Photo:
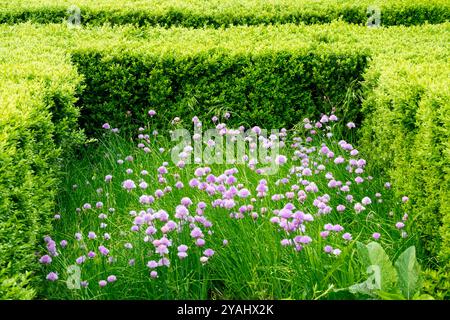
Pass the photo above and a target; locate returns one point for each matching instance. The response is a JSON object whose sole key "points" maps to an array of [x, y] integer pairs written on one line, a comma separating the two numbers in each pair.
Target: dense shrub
{"points": [[37, 122], [271, 90], [216, 13]]}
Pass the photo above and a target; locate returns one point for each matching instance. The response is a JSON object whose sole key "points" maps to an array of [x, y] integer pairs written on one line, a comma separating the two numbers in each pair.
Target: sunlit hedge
{"points": [[216, 13]]}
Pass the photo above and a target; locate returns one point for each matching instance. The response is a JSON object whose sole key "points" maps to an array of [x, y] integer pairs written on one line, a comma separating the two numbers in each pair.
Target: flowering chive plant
{"points": [[160, 228]]}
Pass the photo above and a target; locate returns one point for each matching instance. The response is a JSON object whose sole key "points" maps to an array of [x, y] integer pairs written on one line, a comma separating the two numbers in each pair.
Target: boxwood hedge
{"points": [[394, 80], [216, 13]]}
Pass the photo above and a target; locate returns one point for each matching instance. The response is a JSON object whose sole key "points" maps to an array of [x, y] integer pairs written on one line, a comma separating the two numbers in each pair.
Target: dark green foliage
{"points": [[272, 90]]}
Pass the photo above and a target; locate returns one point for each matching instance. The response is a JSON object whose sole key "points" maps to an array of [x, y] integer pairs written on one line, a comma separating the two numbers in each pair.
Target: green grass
{"points": [[253, 265]]}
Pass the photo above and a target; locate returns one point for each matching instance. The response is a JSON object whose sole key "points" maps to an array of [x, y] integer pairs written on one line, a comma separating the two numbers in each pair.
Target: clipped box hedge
{"points": [[216, 13], [38, 125], [266, 75]]}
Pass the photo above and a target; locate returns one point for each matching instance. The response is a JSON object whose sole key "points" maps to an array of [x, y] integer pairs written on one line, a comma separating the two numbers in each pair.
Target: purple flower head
{"points": [[52, 276], [152, 264], [103, 250], [399, 225], [63, 243], [208, 252], [376, 235], [154, 274], [351, 125], [337, 252], [106, 126], [80, 260], [87, 206], [91, 254], [347, 236], [129, 185], [46, 259], [225, 242], [102, 283], [196, 233], [111, 278], [186, 201], [328, 249], [92, 235], [405, 199], [200, 242], [182, 248], [366, 200], [151, 113], [182, 254]]}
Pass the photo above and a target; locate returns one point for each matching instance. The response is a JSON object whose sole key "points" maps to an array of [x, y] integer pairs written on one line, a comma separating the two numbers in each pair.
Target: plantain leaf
{"points": [[408, 271]]}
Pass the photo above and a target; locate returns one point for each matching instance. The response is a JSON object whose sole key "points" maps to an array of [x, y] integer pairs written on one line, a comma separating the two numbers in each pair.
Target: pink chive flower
{"points": [[154, 274], [376, 235], [102, 283], [280, 159], [143, 185], [151, 113], [208, 252], [46, 259], [244, 193], [405, 199], [103, 250], [328, 249], [129, 185], [111, 278], [347, 236], [324, 234], [399, 225], [200, 242], [366, 200], [351, 125], [52, 276], [106, 126], [337, 252]]}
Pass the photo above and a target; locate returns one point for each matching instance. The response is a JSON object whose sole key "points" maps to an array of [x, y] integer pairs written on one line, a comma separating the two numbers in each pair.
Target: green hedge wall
{"points": [[216, 13], [38, 126], [273, 90]]}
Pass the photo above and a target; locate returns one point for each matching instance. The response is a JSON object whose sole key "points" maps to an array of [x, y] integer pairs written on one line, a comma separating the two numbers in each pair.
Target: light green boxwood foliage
{"points": [[266, 75], [216, 13], [37, 122]]}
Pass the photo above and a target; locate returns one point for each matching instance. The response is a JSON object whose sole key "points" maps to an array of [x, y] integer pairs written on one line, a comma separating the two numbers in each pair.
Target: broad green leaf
{"points": [[408, 271], [374, 257]]}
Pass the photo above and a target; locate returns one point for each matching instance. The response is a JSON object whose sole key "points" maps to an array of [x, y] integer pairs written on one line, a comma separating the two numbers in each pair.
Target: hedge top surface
{"points": [[48, 40], [197, 13]]}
